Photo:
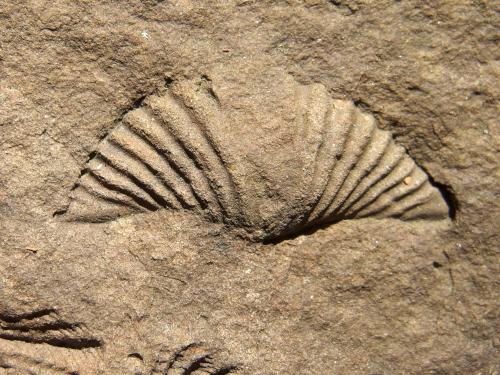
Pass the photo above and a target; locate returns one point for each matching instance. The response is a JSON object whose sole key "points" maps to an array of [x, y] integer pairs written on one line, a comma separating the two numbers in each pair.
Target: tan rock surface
{"points": [[176, 292]]}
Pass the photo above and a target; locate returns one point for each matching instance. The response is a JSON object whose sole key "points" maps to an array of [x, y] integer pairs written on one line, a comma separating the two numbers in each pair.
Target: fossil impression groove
{"points": [[356, 170], [192, 359], [162, 155], [169, 154], [46, 327], [40, 342]]}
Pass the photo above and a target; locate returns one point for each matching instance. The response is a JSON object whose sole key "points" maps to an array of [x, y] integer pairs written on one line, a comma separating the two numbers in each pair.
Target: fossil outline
{"points": [[41, 342], [165, 154], [161, 155], [195, 358]]}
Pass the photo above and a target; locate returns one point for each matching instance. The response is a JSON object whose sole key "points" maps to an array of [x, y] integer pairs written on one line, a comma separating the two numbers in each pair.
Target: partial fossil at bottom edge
{"points": [[40, 342], [192, 359], [168, 154]]}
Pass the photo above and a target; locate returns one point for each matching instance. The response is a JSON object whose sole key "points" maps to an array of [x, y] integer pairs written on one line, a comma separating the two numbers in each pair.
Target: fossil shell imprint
{"points": [[162, 155], [168, 154], [192, 359], [40, 342]]}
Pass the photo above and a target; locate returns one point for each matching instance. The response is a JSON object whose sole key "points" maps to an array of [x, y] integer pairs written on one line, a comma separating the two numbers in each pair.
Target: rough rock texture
{"points": [[175, 293]]}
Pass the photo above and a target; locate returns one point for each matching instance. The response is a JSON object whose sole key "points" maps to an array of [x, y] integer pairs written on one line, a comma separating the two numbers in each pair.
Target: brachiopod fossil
{"points": [[171, 153]]}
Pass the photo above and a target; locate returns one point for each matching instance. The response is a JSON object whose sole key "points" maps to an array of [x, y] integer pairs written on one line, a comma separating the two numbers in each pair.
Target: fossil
{"points": [[169, 153], [162, 155], [40, 342], [45, 327], [192, 359], [354, 169]]}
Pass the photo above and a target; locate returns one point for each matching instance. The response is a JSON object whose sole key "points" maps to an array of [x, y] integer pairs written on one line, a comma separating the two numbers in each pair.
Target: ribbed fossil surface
{"points": [[40, 342], [355, 169], [18, 358], [168, 154], [162, 155], [192, 359]]}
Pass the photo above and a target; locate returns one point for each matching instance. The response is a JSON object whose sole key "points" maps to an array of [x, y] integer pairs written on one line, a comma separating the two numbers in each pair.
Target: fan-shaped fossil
{"points": [[170, 153]]}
